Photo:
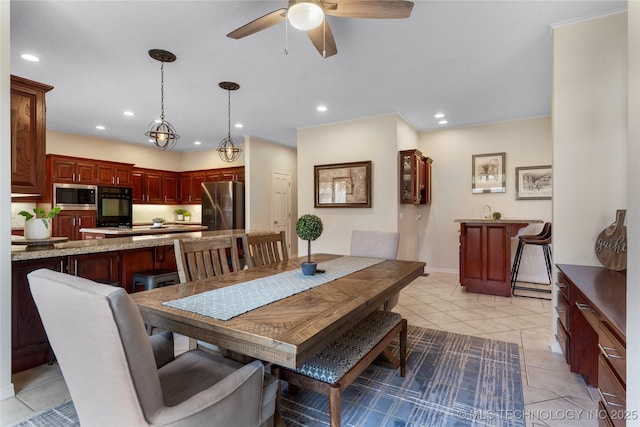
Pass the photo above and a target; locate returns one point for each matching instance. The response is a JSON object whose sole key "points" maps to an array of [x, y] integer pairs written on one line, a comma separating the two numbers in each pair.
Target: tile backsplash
{"points": [[144, 213]]}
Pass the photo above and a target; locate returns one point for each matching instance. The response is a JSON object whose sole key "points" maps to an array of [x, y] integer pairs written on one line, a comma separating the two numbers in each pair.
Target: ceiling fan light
{"points": [[305, 16]]}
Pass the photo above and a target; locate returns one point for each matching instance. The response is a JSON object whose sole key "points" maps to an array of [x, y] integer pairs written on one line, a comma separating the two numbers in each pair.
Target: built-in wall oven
{"points": [[114, 207], [75, 196]]}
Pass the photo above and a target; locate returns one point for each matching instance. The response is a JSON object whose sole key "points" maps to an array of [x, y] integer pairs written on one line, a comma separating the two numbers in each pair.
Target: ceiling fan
{"points": [[309, 16]]}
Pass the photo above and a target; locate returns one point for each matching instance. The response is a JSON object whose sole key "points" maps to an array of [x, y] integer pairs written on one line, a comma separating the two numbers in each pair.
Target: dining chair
{"points": [[263, 249], [118, 375], [202, 258]]}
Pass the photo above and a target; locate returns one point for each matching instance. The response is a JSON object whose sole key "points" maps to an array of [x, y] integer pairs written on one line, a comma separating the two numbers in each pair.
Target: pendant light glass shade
{"points": [[229, 149], [162, 133], [305, 15]]}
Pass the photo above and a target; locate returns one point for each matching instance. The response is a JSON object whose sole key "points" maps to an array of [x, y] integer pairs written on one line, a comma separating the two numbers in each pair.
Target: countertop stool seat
{"points": [[542, 239], [152, 279]]}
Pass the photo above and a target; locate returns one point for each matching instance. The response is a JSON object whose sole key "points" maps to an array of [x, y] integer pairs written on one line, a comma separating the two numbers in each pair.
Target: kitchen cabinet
{"points": [[415, 178], [72, 170], [28, 136], [170, 185], [597, 333], [145, 259], [68, 223], [147, 186], [226, 174], [485, 254], [115, 174], [99, 267], [29, 344], [189, 186]]}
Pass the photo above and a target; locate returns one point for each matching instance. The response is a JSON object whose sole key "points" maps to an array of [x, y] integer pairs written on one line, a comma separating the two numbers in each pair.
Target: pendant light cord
{"points": [[162, 91], [229, 110]]}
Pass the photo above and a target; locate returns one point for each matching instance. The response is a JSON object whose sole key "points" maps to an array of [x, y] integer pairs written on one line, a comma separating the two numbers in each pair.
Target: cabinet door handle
{"points": [[604, 396], [73, 222], [75, 267], [79, 222], [118, 181], [61, 267], [605, 352], [583, 307], [113, 180], [73, 177]]}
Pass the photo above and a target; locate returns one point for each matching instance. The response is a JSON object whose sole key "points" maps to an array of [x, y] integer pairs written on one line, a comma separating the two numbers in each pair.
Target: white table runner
{"points": [[231, 301]]}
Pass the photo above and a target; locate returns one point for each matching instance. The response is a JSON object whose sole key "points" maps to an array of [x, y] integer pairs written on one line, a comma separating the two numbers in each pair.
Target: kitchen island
{"points": [[136, 230], [113, 261], [485, 254]]}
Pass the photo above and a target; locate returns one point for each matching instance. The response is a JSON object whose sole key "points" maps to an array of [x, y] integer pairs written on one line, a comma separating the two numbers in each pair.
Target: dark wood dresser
{"points": [[591, 307]]}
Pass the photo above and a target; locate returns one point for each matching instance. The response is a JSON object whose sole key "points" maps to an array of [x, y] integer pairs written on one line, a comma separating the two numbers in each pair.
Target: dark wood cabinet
{"points": [[100, 267], [148, 186], [68, 223], [170, 185], [115, 174], [596, 330], [71, 170], [485, 255], [29, 344], [190, 189], [415, 178], [28, 136]]}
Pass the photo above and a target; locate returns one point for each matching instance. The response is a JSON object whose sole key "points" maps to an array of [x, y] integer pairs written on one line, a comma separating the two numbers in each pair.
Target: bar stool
{"points": [[152, 279], [542, 239]]}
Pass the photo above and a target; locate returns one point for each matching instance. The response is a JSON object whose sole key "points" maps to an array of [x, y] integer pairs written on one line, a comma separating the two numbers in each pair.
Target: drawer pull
{"points": [[605, 352], [583, 307], [606, 402]]}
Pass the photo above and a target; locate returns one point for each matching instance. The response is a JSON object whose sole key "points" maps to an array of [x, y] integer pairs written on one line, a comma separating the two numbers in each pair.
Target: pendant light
{"points": [[229, 150], [162, 133]]}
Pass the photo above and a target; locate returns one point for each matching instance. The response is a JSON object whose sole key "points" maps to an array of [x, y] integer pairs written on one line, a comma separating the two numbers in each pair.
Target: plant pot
{"points": [[309, 268], [37, 229], [157, 225], [187, 217], [180, 217]]}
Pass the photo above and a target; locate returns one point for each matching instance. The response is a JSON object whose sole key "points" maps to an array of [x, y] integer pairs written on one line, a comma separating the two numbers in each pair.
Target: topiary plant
{"points": [[309, 227]]}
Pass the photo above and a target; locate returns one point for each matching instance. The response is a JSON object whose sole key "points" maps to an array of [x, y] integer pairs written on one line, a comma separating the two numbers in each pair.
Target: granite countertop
{"points": [[79, 247], [501, 221], [145, 229]]}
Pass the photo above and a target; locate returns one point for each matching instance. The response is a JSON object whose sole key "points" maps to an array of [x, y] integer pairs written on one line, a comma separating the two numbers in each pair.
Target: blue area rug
{"points": [[452, 380]]}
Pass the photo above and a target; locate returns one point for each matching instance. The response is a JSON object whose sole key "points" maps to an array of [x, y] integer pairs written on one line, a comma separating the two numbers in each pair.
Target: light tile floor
{"points": [[553, 395]]}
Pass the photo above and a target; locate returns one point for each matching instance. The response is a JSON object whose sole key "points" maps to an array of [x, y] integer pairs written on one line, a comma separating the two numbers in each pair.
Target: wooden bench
{"points": [[336, 366]]}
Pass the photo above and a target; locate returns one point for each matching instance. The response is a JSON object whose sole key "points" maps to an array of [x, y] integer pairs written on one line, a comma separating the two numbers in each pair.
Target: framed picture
{"points": [[487, 173], [343, 185], [534, 182]]}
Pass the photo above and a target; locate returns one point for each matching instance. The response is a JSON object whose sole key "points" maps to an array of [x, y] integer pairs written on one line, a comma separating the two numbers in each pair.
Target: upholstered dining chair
{"points": [[203, 258], [118, 375], [264, 248], [376, 244]]}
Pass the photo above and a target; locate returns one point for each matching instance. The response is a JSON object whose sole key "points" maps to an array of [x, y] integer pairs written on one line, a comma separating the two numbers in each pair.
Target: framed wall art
{"points": [[343, 185], [534, 182], [487, 173]]}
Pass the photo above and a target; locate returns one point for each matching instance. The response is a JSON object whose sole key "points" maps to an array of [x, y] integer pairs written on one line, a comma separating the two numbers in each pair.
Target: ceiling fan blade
{"points": [[322, 39], [380, 9], [259, 24]]}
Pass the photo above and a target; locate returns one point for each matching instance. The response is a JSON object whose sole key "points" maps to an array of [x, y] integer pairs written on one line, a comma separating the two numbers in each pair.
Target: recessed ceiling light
{"points": [[129, 113], [239, 125], [443, 122], [100, 127], [197, 142], [439, 115], [29, 57], [321, 108]]}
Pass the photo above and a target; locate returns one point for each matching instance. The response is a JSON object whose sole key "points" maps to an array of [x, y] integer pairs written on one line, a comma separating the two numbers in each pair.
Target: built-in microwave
{"points": [[75, 196], [114, 207]]}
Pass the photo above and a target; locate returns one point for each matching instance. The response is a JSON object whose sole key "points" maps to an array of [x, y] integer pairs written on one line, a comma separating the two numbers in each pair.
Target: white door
{"points": [[281, 194]]}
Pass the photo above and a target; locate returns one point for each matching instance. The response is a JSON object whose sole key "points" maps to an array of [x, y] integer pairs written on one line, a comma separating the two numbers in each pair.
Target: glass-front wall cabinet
{"points": [[415, 178]]}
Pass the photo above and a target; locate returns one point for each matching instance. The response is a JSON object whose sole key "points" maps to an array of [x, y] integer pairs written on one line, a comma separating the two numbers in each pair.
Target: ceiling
{"points": [[474, 61]]}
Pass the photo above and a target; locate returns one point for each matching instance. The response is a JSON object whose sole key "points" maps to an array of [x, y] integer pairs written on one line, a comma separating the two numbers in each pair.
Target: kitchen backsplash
{"points": [[141, 213]]}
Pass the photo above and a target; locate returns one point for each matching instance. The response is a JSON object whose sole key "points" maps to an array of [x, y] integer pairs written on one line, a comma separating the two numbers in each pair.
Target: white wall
{"points": [[6, 387], [633, 205], [526, 143], [372, 139], [590, 126], [410, 217], [263, 158]]}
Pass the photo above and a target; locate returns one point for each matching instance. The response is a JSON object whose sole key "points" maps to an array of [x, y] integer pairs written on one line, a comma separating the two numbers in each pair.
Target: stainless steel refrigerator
{"points": [[223, 205]]}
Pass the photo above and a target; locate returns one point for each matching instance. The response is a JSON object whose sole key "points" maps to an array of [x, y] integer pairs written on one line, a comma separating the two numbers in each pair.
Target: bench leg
{"points": [[334, 405], [403, 348]]}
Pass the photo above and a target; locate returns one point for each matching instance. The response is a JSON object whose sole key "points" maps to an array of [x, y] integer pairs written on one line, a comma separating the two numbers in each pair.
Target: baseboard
{"points": [[441, 270], [7, 391]]}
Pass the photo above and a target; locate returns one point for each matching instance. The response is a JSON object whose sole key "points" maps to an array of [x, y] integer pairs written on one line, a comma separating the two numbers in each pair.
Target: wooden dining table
{"points": [[289, 331]]}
